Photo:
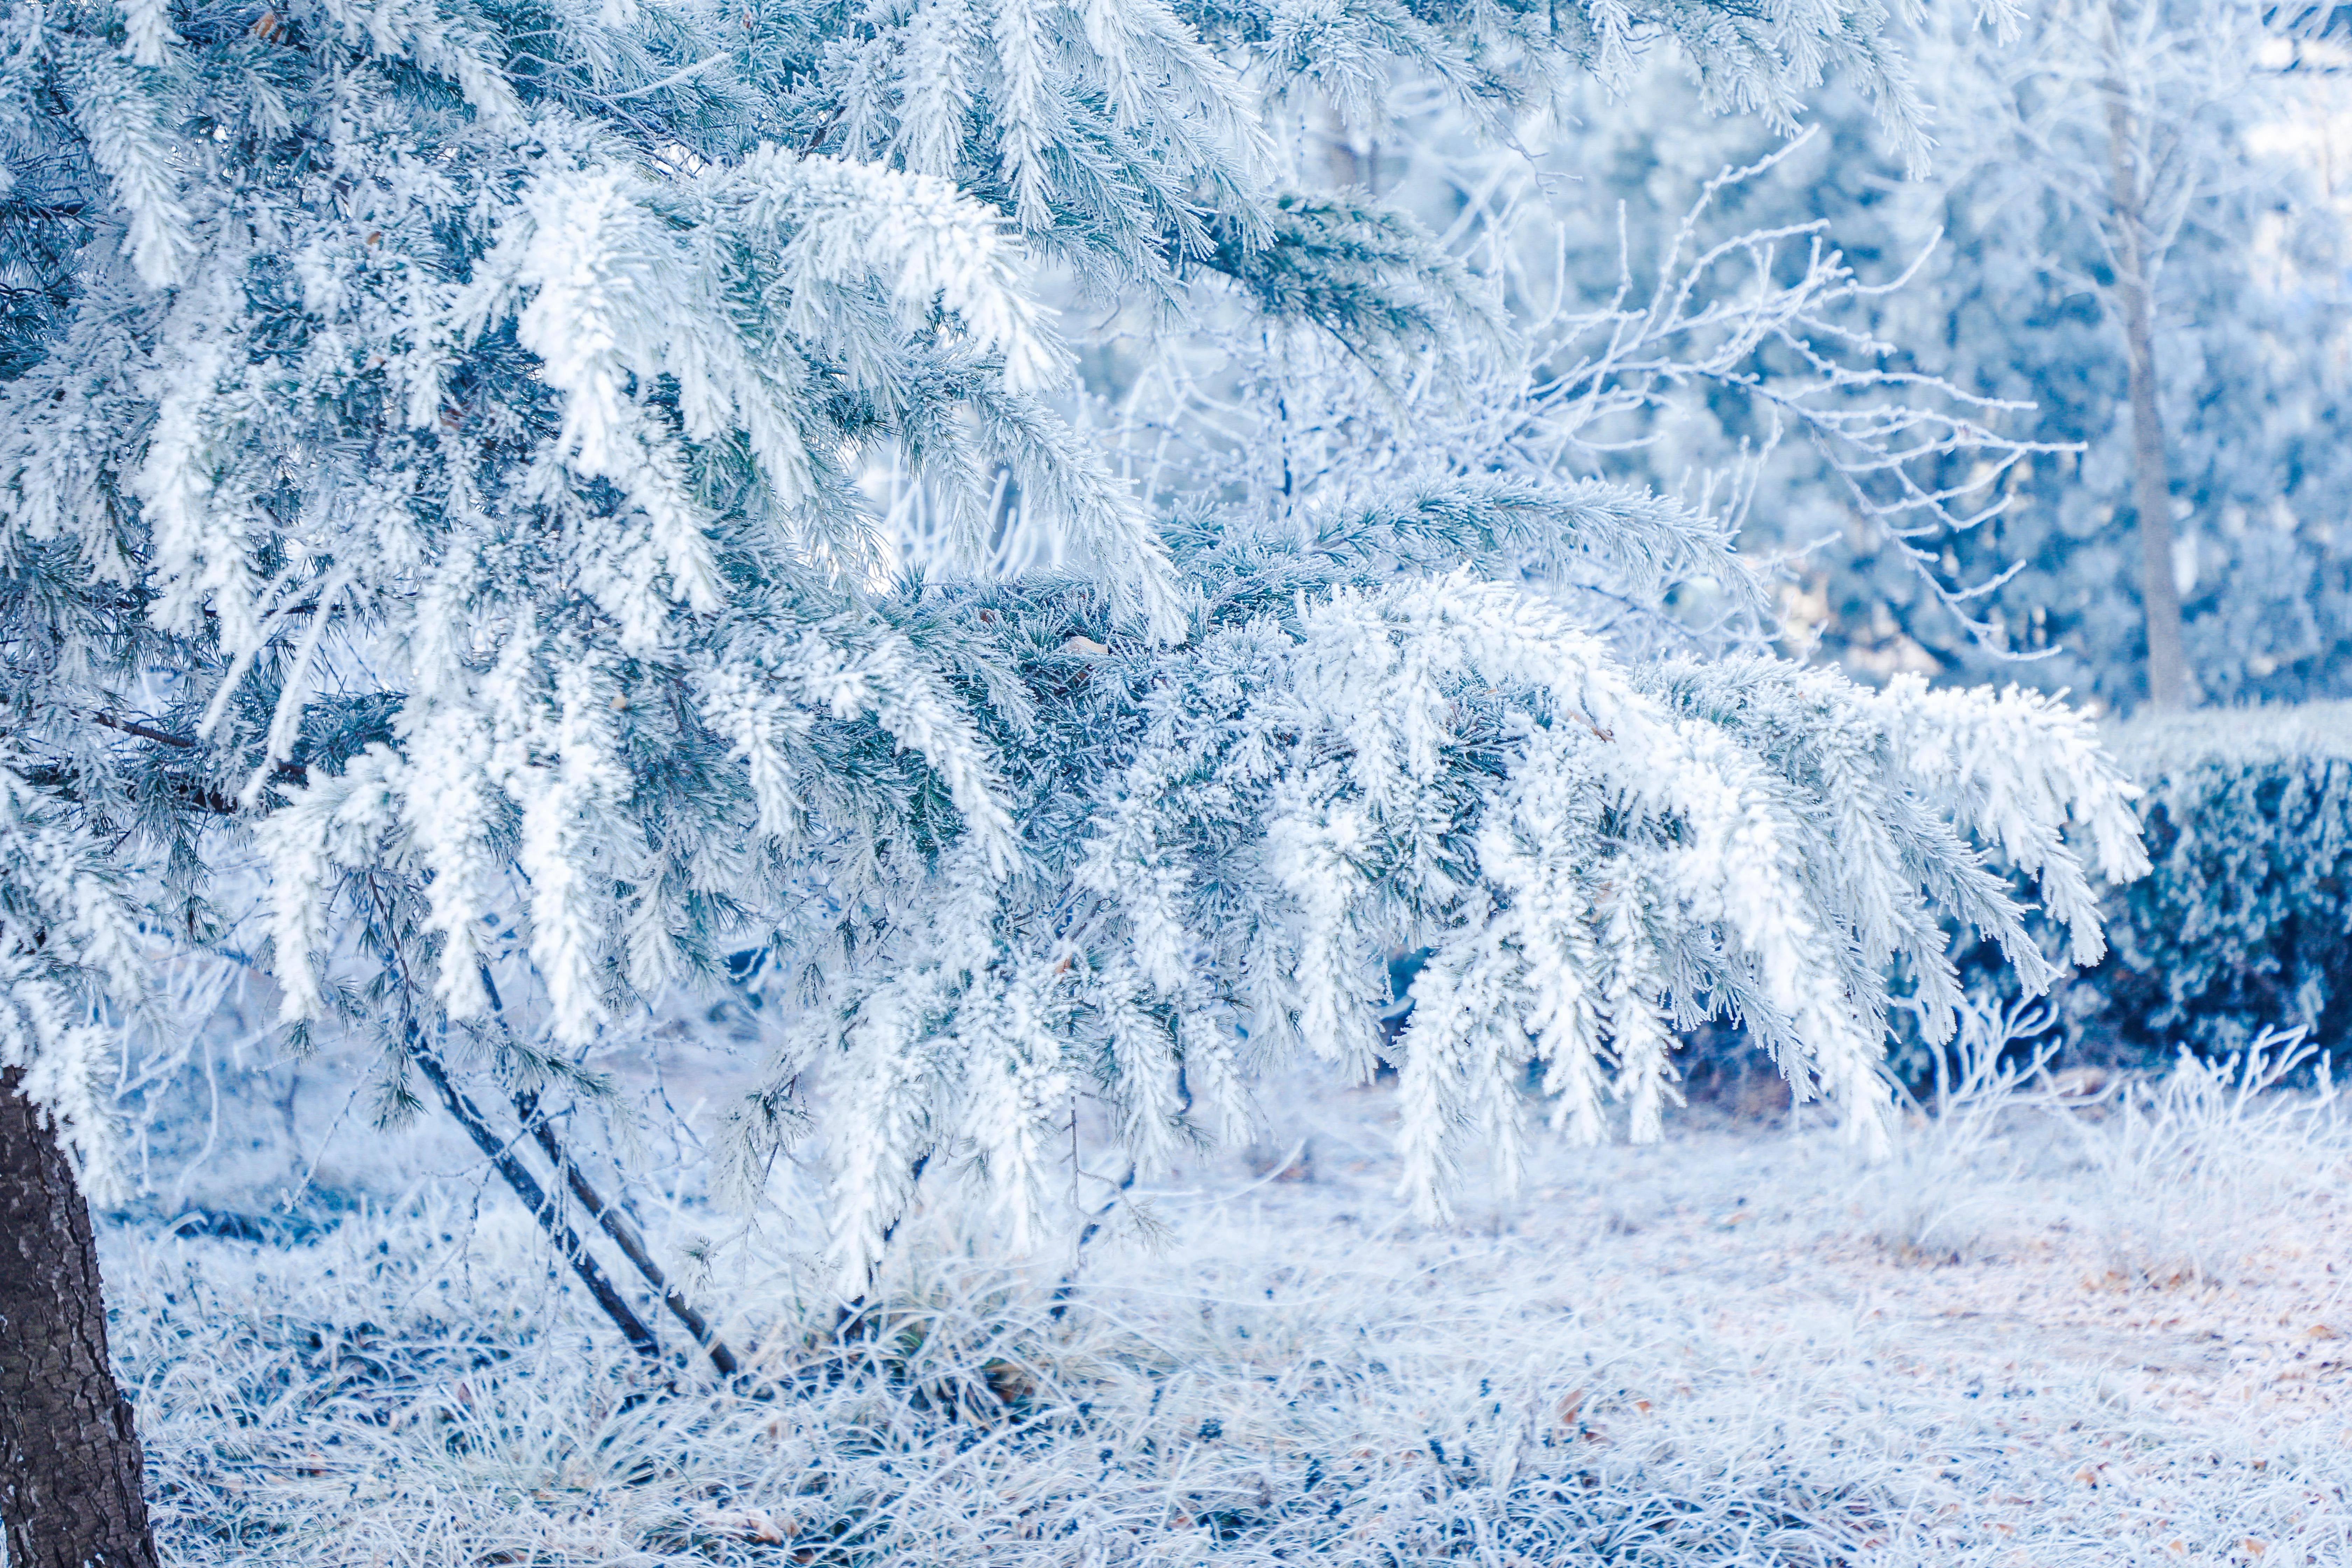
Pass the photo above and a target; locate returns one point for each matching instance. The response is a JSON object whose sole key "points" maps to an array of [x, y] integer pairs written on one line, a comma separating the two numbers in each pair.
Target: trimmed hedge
{"points": [[2246, 921]]}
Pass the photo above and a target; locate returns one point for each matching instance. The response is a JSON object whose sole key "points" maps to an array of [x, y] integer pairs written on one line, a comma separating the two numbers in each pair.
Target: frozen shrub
{"points": [[2246, 922], [1928, 1198]]}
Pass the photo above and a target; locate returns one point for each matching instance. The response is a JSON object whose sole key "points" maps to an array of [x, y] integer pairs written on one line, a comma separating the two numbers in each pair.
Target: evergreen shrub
{"points": [[2246, 921]]}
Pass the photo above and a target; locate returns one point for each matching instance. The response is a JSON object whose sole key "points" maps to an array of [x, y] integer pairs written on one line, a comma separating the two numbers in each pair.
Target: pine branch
{"points": [[290, 773], [534, 1198], [625, 1235], [616, 1224]]}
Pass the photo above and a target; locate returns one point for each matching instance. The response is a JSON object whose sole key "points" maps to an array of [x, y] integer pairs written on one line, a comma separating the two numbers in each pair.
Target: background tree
{"points": [[2011, 290], [2170, 85]]}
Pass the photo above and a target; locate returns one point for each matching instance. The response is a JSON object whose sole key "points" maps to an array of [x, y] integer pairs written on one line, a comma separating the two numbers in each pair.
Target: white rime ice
{"points": [[443, 447], [70, 937]]}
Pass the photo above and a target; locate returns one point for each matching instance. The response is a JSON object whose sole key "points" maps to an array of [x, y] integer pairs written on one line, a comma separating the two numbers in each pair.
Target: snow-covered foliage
{"points": [[2245, 924], [2186, 1172], [1593, 851], [442, 476], [69, 938]]}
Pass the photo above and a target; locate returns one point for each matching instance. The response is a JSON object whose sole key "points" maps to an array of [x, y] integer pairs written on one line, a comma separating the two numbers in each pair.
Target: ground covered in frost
{"points": [[2104, 1328]]}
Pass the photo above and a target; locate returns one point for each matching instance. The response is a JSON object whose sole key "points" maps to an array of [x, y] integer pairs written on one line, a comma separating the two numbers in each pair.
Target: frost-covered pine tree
{"points": [[439, 471]]}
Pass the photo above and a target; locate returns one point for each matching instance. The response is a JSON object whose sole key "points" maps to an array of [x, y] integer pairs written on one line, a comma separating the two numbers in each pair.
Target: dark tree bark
{"points": [[71, 1468]]}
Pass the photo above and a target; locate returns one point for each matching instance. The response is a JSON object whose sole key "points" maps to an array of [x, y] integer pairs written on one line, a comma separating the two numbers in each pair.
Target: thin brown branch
{"points": [[204, 796], [534, 1198], [614, 1223]]}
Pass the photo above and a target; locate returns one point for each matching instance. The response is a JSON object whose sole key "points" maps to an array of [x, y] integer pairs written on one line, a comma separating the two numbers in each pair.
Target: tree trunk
{"points": [[2159, 597], [70, 1466]]}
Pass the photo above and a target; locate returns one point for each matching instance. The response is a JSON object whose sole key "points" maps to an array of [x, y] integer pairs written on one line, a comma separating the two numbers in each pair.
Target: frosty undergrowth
{"points": [[1705, 1353]]}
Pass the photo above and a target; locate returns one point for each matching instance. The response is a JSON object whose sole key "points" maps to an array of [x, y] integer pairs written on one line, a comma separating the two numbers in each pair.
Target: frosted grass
{"points": [[1713, 1352]]}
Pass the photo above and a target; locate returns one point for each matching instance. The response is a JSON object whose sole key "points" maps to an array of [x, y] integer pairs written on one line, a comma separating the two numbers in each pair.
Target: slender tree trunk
{"points": [[616, 1224], [70, 1466], [2159, 597]]}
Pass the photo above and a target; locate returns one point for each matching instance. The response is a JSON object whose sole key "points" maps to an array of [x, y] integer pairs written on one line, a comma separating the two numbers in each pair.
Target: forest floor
{"points": [[2104, 1328]]}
